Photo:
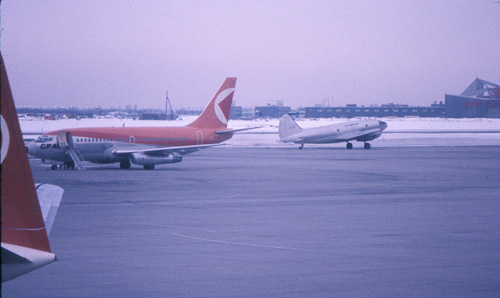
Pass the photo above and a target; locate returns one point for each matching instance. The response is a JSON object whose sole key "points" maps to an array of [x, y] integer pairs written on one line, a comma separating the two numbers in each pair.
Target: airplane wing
{"points": [[359, 135], [294, 139], [182, 150], [49, 197], [220, 132]]}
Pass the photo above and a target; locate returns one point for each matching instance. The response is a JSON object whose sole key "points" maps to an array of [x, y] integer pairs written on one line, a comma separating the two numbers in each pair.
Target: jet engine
{"points": [[143, 159]]}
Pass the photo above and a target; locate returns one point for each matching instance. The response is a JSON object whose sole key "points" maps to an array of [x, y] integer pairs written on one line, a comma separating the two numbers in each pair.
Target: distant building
{"points": [[480, 100], [156, 116], [387, 110], [271, 111], [236, 112]]}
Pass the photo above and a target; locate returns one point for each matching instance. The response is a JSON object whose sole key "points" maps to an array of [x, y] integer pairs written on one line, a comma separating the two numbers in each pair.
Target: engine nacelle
{"points": [[143, 159]]}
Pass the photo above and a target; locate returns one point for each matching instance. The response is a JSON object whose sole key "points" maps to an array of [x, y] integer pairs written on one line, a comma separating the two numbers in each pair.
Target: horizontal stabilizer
{"points": [[221, 132], [9, 257], [18, 260], [49, 197]]}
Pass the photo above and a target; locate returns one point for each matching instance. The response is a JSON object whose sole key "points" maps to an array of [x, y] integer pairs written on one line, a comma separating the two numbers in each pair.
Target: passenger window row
{"points": [[139, 140]]}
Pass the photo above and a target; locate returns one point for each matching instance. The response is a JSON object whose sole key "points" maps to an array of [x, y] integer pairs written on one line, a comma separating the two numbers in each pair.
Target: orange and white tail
{"points": [[216, 113], [25, 245]]}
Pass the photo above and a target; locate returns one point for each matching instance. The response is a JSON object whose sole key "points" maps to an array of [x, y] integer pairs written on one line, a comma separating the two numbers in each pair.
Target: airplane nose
{"points": [[383, 124], [31, 148]]}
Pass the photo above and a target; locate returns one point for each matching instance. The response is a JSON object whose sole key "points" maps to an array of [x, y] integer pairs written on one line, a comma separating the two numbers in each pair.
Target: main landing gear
{"points": [[125, 164], [366, 146], [301, 146], [69, 165]]}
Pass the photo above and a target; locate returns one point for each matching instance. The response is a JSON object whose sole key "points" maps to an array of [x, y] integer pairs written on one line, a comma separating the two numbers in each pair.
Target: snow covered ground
{"points": [[400, 132]]}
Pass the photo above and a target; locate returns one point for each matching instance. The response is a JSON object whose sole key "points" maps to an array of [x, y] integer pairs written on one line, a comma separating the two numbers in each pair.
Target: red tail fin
{"points": [[22, 221], [216, 113]]}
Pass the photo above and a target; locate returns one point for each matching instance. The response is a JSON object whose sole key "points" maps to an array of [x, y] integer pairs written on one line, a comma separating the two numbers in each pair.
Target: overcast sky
{"points": [[117, 53]]}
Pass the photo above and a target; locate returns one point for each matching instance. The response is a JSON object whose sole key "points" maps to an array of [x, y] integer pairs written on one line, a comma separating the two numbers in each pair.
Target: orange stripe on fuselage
{"points": [[166, 136]]}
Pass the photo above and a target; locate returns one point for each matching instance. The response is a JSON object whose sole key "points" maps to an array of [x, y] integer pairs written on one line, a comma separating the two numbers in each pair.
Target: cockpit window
{"points": [[43, 139]]}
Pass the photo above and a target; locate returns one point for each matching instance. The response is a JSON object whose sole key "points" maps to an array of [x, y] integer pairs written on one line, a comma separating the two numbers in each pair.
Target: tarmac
{"points": [[278, 222]]}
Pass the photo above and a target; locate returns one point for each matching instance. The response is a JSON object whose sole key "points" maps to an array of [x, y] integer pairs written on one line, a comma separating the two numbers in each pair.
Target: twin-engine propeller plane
{"points": [[146, 146], [27, 213], [360, 130]]}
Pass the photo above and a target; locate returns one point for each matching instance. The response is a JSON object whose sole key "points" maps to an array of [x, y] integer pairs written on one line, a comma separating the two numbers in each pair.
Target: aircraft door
{"points": [[199, 137], [64, 139], [131, 140]]}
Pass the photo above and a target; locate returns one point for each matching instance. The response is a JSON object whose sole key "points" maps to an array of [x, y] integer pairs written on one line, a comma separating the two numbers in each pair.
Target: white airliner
{"points": [[146, 146], [27, 212], [359, 130]]}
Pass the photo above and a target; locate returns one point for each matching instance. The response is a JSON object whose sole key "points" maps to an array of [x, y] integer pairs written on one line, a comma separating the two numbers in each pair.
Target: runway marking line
{"points": [[177, 227], [236, 243]]}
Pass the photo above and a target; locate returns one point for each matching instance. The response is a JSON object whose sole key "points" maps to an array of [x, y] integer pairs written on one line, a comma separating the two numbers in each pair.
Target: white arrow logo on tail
{"points": [[5, 139], [218, 111]]}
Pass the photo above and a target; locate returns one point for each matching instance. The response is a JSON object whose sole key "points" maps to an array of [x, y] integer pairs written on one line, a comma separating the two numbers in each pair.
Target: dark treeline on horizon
{"points": [[99, 111]]}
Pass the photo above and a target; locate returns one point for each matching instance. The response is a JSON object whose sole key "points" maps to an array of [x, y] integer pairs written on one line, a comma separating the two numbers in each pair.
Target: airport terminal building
{"points": [[272, 110], [388, 110], [480, 100]]}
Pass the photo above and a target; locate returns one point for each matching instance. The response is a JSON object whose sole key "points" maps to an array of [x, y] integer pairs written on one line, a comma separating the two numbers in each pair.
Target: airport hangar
{"points": [[480, 100]]}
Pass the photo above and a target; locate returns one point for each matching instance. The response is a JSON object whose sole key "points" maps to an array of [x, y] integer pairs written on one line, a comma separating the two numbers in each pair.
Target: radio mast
{"points": [[168, 109]]}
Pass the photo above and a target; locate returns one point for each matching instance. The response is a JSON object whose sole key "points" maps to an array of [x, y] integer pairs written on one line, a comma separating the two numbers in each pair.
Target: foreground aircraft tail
{"points": [[25, 245], [288, 127], [216, 113]]}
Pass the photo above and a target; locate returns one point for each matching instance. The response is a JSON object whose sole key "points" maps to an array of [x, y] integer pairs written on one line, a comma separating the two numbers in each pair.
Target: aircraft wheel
{"points": [[349, 145], [53, 167], [125, 164], [149, 167], [301, 147], [367, 146]]}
